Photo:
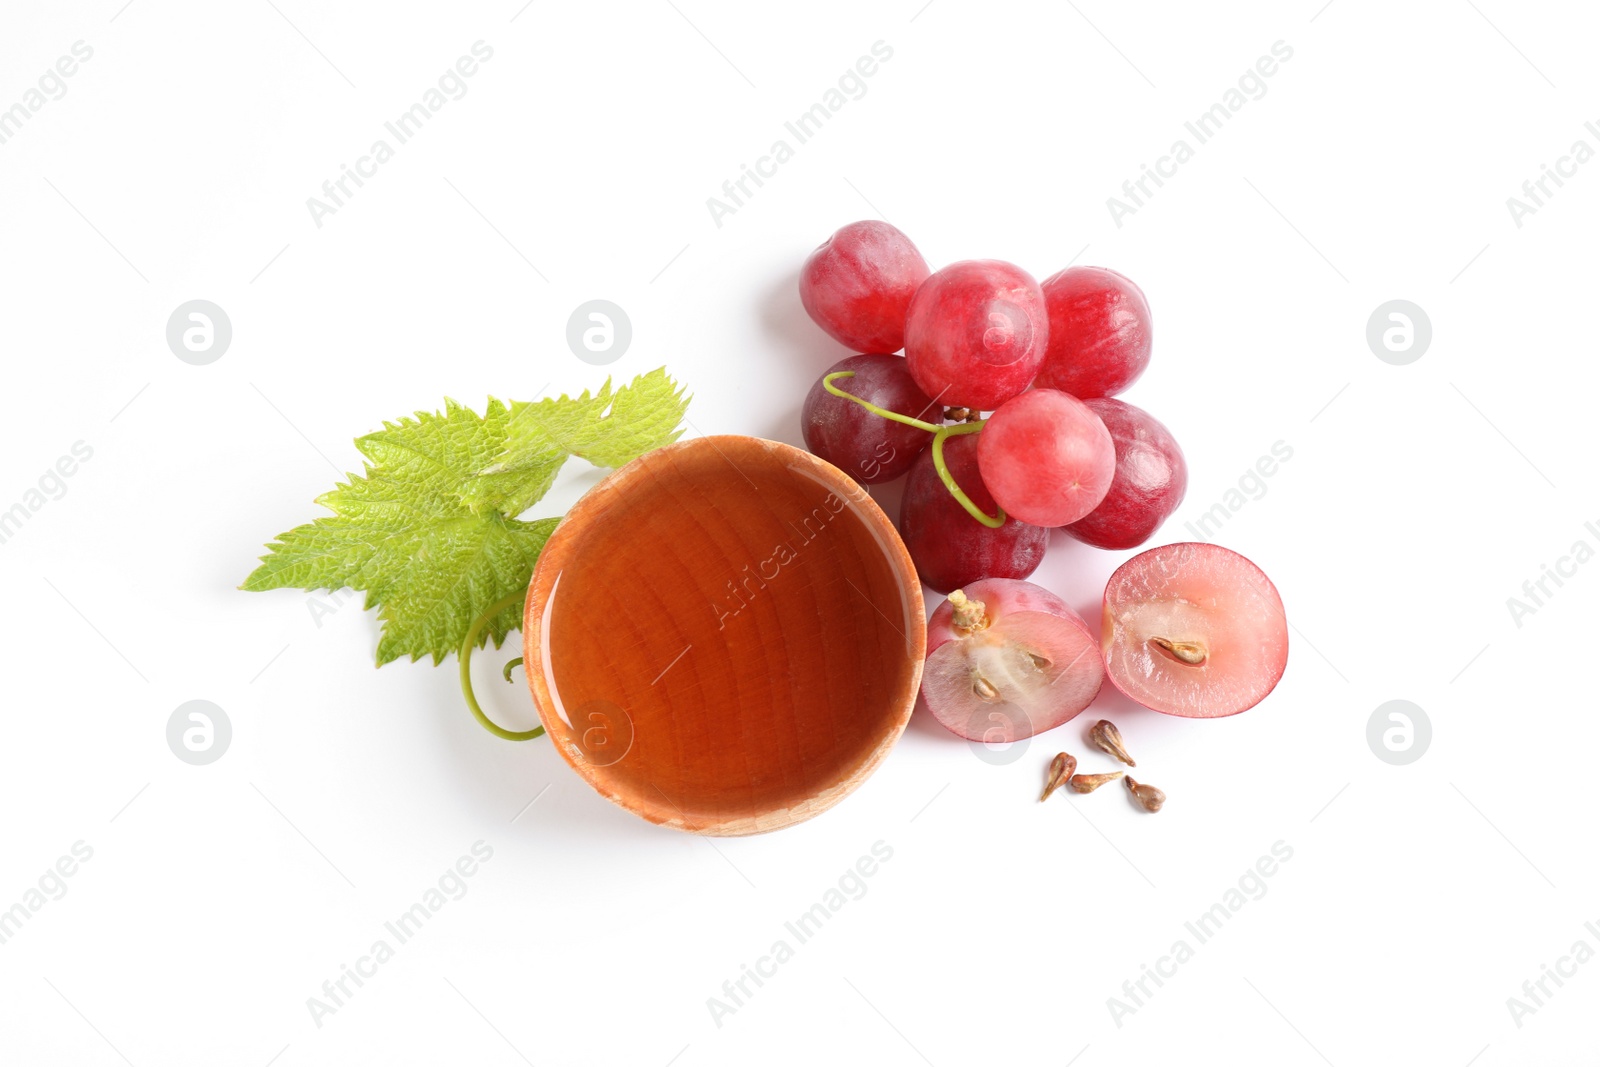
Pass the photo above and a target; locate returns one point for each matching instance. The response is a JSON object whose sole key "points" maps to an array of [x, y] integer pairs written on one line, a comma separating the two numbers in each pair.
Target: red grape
{"points": [[951, 548], [1193, 629], [1008, 661], [1149, 483], [866, 446], [1099, 332], [1046, 458], [858, 285], [975, 335]]}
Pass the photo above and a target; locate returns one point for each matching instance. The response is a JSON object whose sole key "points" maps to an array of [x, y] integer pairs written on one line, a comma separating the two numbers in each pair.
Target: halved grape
{"points": [[1193, 629], [1007, 660]]}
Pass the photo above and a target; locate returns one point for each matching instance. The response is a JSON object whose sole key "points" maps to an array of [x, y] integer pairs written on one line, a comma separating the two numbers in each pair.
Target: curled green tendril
{"points": [[465, 656], [827, 383], [509, 666], [994, 522]]}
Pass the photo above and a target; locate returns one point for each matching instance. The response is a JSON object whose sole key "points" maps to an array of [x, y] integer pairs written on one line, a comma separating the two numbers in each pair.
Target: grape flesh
{"points": [[976, 333], [868, 447], [1032, 666], [950, 548], [858, 285], [1099, 332], [1046, 458], [1149, 483], [1211, 603]]}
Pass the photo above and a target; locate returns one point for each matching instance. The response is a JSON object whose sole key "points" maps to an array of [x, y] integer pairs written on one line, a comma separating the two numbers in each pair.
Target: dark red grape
{"points": [[858, 285], [1099, 332], [951, 548], [1148, 485], [868, 447]]}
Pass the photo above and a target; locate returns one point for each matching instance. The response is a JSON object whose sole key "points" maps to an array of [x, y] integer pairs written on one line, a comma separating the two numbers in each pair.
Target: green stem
{"points": [[465, 656], [995, 521], [827, 383]]}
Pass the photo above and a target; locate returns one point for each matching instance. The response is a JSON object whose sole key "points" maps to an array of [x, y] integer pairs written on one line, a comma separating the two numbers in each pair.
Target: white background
{"points": [[1418, 499]]}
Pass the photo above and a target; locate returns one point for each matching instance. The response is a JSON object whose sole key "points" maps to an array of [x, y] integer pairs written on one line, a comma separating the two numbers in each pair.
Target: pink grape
{"points": [[1012, 661], [868, 447], [858, 285], [1149, 483], [1046, 458], [976, 332], [1099, 332], [951, 548], [1193, 629]]}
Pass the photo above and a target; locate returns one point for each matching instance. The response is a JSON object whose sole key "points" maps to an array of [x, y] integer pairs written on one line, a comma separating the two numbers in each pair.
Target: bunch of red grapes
{"points": [[1188, 629], [983, 336]]}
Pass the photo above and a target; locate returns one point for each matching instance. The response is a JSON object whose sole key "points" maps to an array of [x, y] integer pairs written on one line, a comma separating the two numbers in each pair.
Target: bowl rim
{"points": [[569, 533]]}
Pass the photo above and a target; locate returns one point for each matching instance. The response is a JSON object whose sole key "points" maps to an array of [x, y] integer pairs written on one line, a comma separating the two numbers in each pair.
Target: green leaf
{"points": [[608, 429], [429, 531], [447, 574], [513, 490], [404, 535], [438, 454], [644, 415]]}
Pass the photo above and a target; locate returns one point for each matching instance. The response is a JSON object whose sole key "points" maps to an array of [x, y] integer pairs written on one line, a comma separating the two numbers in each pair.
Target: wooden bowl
{"points": [[725, 636]]}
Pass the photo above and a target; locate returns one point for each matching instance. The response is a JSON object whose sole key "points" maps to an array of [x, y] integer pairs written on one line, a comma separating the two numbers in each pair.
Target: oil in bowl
{"points": [[725, 636]]}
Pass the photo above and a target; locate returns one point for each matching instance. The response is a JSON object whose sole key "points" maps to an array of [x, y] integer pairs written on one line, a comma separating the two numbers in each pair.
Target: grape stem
{"points": [[994, 522], [829, 379], [469, 643]]}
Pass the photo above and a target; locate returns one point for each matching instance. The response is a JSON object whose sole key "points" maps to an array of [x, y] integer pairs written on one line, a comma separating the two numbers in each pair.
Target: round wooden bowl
{"points": [[725, 636]]}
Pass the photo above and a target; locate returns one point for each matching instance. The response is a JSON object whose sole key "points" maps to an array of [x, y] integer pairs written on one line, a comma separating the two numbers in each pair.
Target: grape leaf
{"points": [[608, 429], [432, 540]]}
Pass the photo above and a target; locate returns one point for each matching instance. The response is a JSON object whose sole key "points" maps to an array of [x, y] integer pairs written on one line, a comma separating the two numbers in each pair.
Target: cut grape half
{"points": [[1008, 659], [1193, 629]]}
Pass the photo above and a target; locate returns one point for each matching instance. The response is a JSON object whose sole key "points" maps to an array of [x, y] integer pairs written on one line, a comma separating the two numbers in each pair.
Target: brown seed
{"points": [[1147, 797], [1088, 783], [1191, 652], [1061, 768], [1108, 739]]}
